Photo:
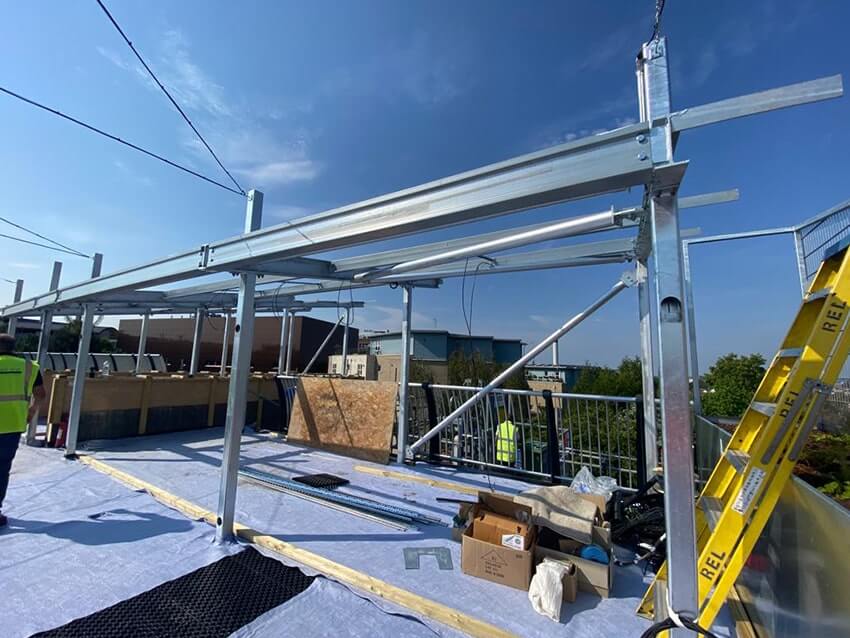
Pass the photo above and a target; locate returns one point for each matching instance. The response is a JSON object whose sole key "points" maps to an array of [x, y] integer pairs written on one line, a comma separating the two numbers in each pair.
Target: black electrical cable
{"points": [[115, 138], [168, 95], [52, 241], [48, 246], [664, 625], [656, 27]]}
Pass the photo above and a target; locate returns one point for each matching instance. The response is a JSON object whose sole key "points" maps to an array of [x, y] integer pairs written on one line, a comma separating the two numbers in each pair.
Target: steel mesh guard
{"points": [[211, 602]]}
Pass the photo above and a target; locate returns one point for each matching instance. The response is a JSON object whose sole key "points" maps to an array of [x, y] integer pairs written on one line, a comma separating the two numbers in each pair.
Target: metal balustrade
{"points": [[553, 435]]}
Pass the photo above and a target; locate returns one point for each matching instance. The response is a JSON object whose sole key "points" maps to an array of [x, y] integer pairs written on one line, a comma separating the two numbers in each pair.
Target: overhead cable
{"points": [[119, 140], [48, 246], [168, 95], [52, 241]]}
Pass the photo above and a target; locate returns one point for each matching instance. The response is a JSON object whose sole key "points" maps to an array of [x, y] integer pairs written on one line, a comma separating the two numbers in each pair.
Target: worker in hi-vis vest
{"points": [[506, 441], [21, 394]]}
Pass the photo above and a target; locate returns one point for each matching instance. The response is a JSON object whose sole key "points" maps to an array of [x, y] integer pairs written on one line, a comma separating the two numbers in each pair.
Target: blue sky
{"points": [[325, 103]]}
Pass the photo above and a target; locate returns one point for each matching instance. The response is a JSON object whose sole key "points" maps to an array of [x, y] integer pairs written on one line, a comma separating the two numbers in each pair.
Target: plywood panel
{"points": [[348, 416]]}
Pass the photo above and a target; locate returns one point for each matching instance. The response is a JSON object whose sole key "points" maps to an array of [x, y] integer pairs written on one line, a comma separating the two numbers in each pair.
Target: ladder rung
{"points": [[790, 352], [712, 507], [764, 407], [738, 459], [817, 294]]}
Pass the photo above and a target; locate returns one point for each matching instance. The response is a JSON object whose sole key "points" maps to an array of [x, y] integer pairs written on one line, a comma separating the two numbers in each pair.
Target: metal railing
{"points": [[795, 581], [552, 434], [814, 238]]}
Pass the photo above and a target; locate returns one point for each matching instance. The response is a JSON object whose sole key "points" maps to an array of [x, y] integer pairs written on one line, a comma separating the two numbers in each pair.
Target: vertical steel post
{"points": [[200, 315], [81, 368], [284, 341], [555, 354], [691, 325], [237, 391], [44, 343], [345, 342], [647, 360], [225, 344], [404, 373], [675, 409], [143, 341], [290, 338], [553, 447], [47, 317], [12, 328], [800, 252]]}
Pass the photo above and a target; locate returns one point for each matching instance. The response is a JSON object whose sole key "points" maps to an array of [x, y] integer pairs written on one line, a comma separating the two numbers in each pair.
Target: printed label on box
{"points": [[514, 541]]}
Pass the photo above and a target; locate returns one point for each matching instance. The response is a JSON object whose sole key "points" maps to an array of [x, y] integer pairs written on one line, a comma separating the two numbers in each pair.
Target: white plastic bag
{"points": [[547, 588], [585, 483]]}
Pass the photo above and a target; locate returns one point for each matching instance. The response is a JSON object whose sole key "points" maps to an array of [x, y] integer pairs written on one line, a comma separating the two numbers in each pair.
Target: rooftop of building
{"points": [[453, 335], [85, 540]]}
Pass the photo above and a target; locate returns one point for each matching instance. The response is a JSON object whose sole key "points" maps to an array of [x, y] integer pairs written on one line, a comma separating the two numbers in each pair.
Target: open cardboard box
{"points": [[481, 556], [593, 577]]}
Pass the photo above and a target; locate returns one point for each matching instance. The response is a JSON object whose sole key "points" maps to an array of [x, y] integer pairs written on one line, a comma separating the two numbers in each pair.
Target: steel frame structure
{"points": [[638, 155]]}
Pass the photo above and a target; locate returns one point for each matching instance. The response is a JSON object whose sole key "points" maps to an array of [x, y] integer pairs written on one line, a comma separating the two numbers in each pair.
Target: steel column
{"points": [[404, 373], [555, 354], [237, 392], [200, 315], [225, 344], [12, 328], [284, 342], [800, 252], [81, 368], [690, 315], [143, 341], [289, 341], [647, 361], [44, 342], [345, 342], [653, 80]]}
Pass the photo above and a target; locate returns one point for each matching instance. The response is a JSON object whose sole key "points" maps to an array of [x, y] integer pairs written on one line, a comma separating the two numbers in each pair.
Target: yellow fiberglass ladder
{"points": [[745, 485]]}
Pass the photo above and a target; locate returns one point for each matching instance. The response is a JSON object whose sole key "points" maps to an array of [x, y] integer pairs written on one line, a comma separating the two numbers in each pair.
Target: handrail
{"points": [[530, 393]]}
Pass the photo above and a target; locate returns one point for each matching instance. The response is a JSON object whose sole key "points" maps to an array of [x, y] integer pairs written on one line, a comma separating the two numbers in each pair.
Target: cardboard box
{"points": [[501, 530], [492, 561], [570, 579], [593, 577]]}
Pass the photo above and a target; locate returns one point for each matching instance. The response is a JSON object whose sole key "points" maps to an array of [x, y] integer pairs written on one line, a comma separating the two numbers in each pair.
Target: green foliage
{"points": [[838, 491], [625, 380], [474, 370], [729, 385], [420, 373]]}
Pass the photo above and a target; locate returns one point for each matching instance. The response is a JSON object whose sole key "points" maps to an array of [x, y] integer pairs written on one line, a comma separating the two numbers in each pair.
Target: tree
{"points": [[420, 373], [473, 370], [64, 339], [624, 381], [729, 385]]}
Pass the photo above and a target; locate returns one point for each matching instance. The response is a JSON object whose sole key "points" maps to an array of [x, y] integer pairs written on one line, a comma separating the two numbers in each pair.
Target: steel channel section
{"points": [[463, 408], [284, 340], [556, 357], [404, 374], [225, 345], [691, 327], [237, 391], [675, 408], [603, 163], [143, 341], [647, 361], [81, 369], [12, 327], [200, 315], [345, 342]]}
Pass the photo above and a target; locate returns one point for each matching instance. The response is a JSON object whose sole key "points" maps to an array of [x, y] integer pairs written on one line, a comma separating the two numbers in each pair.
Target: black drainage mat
{"points": [[328, 481], [211, 602]]}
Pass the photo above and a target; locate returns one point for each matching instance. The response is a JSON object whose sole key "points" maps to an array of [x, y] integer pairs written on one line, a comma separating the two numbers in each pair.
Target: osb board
{"points": [[346, 416]]}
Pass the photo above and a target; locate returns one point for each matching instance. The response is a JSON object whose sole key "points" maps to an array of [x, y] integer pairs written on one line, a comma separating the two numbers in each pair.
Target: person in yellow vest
{"points": [[21, 394], [506, 441]]}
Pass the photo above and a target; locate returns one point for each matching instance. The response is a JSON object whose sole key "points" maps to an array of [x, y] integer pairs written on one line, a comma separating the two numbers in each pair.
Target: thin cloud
{"points": [[239, 137]]}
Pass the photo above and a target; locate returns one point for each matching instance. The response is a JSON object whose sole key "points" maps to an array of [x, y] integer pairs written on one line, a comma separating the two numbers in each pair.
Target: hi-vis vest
{"points": [[506, 442], [17, 378]]}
